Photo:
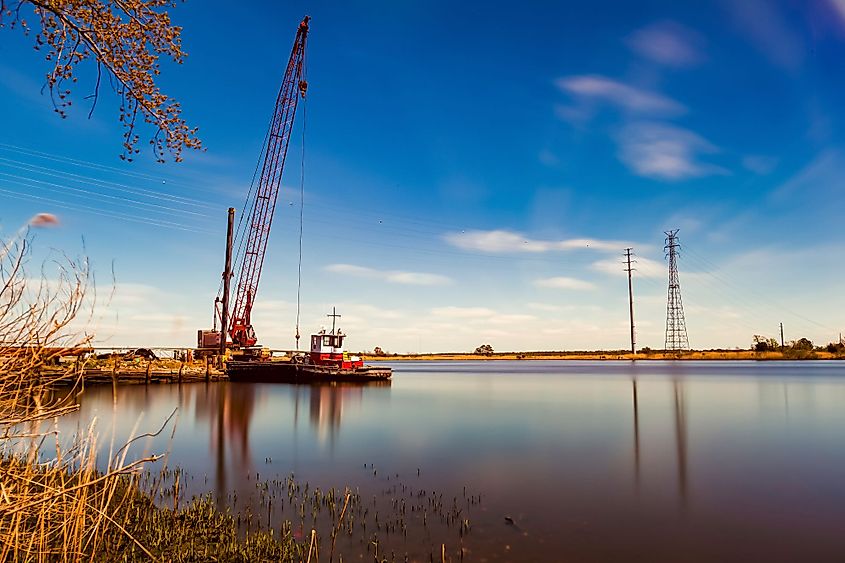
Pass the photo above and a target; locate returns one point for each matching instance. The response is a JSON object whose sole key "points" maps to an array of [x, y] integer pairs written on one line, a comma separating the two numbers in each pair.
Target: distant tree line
{"points": [[794, 348]]}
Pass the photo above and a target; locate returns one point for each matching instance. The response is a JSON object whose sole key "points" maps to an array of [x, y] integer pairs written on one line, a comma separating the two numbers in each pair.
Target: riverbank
{"points": [[698, 355], [142, 371]]}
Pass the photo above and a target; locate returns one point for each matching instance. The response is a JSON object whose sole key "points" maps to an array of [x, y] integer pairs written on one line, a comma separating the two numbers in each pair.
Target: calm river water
{"points": [[552, 461]]}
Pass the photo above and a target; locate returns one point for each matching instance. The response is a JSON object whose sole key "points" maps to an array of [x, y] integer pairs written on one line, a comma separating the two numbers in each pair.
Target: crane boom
{"points": [[263, 204]]}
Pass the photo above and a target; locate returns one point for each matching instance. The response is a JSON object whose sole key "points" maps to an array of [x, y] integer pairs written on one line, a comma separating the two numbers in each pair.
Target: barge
{"points": [[327, 362], [294, 372]]}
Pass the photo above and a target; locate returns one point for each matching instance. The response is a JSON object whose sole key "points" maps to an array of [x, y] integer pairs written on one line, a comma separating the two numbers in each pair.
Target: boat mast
{"points": [[334, 317]]}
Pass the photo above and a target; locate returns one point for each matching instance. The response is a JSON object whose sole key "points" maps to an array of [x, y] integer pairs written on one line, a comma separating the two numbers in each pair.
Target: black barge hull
{"points": [[289, 372]]}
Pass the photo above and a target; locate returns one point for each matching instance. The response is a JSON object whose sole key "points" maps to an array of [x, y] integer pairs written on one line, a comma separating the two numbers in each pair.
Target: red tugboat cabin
{"points": [[327, 350]]}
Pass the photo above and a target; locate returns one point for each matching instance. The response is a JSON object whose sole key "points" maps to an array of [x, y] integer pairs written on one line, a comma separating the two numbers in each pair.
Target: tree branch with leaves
{"points": [[125, 39]]}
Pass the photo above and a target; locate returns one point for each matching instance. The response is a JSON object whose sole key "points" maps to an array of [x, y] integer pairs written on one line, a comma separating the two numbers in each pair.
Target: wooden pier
{"points": [[133, 372]]}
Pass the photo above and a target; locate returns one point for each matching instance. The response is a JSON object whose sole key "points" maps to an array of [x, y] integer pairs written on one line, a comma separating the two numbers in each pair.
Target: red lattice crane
{"points": [[263, 203]]}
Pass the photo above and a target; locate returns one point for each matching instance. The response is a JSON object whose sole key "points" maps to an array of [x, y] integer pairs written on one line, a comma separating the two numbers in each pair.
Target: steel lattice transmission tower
{"points": [[676, 326]]}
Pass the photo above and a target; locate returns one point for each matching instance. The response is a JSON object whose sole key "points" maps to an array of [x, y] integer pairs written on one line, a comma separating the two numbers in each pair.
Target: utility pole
{"points": [[629, 269], [781, 337], [227, 276], [676, 327]]}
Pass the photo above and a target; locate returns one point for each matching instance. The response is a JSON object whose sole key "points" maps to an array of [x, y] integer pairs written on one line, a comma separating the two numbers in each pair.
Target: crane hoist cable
{"points": [[301, 213], [240, 229], [257, 224]]}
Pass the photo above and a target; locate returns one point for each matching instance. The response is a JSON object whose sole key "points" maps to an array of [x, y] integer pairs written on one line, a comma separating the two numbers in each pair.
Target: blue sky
{"points": [[473, 173]]}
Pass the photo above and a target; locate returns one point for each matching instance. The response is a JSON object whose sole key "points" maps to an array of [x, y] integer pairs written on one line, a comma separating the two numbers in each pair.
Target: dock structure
{"points": [[153, 371], [92, 366]]}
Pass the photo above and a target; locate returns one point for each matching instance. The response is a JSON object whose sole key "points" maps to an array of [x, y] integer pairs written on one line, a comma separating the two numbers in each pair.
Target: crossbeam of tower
{"points": [[676, 326]]}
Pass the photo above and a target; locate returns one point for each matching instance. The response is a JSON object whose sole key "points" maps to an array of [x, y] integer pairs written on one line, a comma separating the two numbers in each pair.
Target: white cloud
{"points": [[501, 241], [667, 43], [645, 267], [512, 319], [417, 278], [665, 152], [124, 293], [550, 308], [392, 276], [599, 88], [563, 282], [352, 270], [462, 312]]}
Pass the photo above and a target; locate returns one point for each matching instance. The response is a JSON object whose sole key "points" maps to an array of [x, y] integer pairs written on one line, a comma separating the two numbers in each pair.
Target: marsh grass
{"points": [[66, 502], [59, 506]]}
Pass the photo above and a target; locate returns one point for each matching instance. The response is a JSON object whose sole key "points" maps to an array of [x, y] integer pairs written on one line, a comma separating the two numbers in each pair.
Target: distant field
{"points": [[617, 355]]}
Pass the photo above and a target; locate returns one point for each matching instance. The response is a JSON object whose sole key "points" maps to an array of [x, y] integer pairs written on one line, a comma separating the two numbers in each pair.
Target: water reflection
{"points": [[228, 409], [680, 437], [636, 433], [679, 420], [593, 461]]}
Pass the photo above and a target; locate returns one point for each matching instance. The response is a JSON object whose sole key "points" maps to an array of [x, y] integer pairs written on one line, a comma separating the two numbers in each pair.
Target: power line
{"points": [[107, 184], [119, 200], [93, 165], [756, 294], [112, 215]]}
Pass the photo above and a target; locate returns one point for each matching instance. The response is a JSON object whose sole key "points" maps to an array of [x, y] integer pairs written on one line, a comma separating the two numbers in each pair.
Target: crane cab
{"points": [[327, 350]]}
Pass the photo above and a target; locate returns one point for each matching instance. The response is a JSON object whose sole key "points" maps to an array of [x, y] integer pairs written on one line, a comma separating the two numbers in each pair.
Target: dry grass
{"points": [[55, 505], [614, 355]]}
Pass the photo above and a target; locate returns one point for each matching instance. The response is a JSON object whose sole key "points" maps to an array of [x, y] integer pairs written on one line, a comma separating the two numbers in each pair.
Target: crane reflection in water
{"points": [[230, 408]]}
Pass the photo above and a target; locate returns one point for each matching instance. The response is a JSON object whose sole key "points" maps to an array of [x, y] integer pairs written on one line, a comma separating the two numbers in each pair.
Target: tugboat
{"points": [[328, 361]]}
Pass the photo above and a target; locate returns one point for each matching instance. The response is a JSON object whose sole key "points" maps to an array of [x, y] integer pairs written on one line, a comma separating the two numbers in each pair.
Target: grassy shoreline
{"points": [[748, 355]]}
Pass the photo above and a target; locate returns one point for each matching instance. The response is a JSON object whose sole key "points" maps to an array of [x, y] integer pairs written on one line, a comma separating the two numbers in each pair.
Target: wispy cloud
{"points": [[504, 241], [548, 158], [552, 308], [819, 179], [759, 164], [462, 312], [645, 267], [665, 152], [511, 318], [667, 43], [838, 7], [597, 88], [563, 282], [653, 149], [763, 25], [392, 276]]}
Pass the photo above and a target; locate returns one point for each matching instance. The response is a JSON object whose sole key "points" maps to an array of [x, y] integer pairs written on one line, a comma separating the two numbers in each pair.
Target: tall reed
{"points": [[56, 504]]}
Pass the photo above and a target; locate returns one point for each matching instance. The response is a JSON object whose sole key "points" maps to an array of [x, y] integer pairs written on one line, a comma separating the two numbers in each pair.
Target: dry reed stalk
{"points": [[50, 509], [337, 526], [58, 506]]}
